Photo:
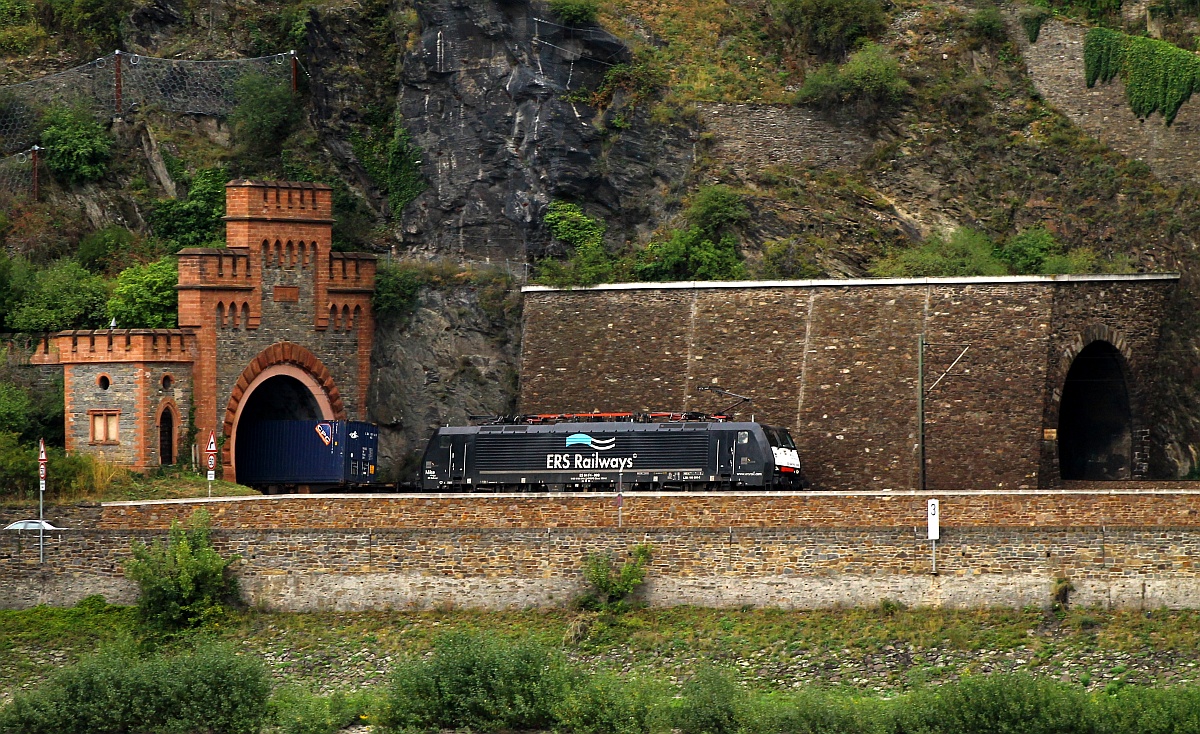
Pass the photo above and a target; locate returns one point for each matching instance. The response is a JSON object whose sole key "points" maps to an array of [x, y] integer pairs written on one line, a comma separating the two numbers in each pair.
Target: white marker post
{"points": [[211, 456], [620, 499], [41, 497], [935, 531]]}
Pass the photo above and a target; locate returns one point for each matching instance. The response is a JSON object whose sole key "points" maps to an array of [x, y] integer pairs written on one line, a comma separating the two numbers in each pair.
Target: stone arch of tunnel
{"points": [[1095, 418], [285, 382]]}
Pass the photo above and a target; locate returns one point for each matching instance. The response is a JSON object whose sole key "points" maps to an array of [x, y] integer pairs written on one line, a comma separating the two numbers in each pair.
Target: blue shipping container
{"points": [[307, 452]]}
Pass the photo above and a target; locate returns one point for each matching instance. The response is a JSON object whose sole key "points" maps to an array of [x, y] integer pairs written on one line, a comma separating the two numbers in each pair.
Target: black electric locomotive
{"points": [[584, 454]]}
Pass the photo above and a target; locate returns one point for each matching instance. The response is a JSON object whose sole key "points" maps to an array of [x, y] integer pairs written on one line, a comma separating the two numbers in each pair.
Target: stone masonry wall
{"points": [[1055, 64], [837, 364], [290, 321], [1130, 506], [786, 567], [752, 137], [1132, 548]]}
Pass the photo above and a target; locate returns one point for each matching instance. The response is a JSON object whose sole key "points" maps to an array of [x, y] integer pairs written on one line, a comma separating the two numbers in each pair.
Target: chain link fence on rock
{"points": [[120, 84]]}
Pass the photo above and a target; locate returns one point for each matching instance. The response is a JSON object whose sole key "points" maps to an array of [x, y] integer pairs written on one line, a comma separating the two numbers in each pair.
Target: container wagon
{"points": [[567, 456], [318, 454]]}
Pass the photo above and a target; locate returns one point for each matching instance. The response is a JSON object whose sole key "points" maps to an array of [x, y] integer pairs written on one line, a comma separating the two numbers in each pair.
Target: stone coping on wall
{"points": [[836, 283], [1156, 506]]}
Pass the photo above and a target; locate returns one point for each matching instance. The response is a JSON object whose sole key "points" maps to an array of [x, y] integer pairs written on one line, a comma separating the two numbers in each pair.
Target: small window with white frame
{"points": [[104, 429]]}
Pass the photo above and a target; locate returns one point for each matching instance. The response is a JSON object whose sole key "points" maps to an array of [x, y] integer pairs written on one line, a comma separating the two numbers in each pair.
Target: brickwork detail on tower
{"points": [[275, 295]]}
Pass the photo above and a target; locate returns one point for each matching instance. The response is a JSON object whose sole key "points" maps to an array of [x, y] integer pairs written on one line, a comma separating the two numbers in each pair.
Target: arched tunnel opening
{"points": [[278, 398], [1095, 424]]}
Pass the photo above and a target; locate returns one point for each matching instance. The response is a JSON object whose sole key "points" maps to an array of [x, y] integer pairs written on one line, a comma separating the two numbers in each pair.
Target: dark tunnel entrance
{"points": [[278, 398], [1095, 425]]}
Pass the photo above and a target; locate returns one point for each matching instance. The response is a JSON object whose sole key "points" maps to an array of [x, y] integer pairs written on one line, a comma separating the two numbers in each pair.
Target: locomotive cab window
{"points": [[743, 437], [444, 442]]}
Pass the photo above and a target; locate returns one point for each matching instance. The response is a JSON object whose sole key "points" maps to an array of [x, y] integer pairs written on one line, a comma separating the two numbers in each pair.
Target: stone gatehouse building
{"points": [[273, 326]]}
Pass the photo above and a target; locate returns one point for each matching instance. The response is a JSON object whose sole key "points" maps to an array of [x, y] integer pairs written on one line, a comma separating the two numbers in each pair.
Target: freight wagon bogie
{"points": [[593, 456]]}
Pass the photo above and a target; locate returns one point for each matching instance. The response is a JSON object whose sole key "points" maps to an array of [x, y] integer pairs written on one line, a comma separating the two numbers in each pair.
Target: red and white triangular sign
{"points": [[41, 450], [212, 442]]}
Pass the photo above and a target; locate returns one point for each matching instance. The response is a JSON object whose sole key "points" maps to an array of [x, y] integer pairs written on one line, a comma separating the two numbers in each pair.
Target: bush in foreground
{"points": [[184, 583], [478, 683], [209, 689]]}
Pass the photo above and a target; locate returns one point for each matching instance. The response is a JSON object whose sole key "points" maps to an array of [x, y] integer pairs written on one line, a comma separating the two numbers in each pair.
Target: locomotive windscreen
{"points": [[667, 451]]}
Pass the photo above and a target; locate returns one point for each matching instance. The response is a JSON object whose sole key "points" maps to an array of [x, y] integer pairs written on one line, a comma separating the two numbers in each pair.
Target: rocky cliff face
{"points": [[454, 357], [482, 94]]}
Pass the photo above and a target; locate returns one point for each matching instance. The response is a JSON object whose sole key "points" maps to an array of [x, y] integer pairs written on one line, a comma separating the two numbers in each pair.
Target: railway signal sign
{"points": [[41, 465], [935, 525]]}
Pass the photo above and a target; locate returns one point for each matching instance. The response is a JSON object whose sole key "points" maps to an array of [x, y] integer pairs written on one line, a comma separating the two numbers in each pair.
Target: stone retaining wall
{"points": [[304, 570], [1123, 548], [1131, 506]]}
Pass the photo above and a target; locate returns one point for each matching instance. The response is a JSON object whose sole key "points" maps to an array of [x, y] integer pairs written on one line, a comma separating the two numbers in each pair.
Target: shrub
{"points": [[1026, 251], [965, 252], [194, 221], [996, 704], [830, 27], [986, 24], [396, 290], [478, 683], [210, 689], [145, 296], [575, 12], [704, 250], [689, 255], [185, 582], [296, 711], [590, 262], [265, 115], [99, 250], [1149, 711], [64, 296], [610, 585], [716, 207], [610, 704], [813, 712], [77, 147], [869, 83], [711, 703]]}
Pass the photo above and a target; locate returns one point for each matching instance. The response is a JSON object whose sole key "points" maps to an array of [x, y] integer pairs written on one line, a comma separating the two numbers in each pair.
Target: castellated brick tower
{"points": [[273, 326]]}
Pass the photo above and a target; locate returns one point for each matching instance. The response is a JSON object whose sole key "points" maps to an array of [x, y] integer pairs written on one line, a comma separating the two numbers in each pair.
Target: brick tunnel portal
{"points": [[1095, 427]]}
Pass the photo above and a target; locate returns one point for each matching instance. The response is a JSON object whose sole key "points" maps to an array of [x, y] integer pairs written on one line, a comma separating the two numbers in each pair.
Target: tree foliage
{"points": [[63, 296], [265, 115], [195, 220], [145, 296], [78, 148], [185, 582]]}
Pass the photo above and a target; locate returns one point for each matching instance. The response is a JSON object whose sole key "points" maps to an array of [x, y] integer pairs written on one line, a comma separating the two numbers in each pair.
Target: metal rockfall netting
{"points": [[120, 83], [16, 174]]}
